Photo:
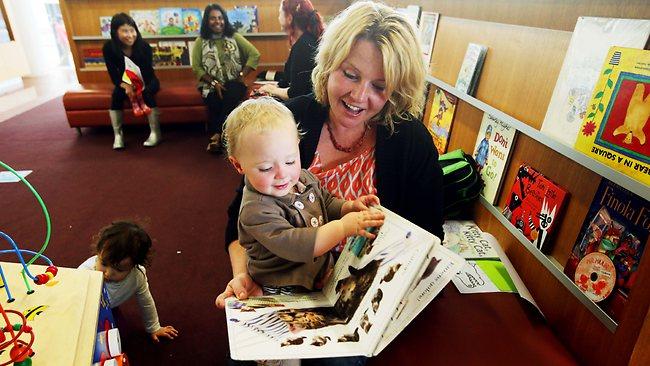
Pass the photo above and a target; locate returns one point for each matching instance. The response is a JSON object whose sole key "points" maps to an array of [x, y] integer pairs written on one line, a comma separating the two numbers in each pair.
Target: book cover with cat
{"points": [[591, 39], [441, 116], [534, 206], [492, 154], [616, 129], [377, 287], [616, 225]]}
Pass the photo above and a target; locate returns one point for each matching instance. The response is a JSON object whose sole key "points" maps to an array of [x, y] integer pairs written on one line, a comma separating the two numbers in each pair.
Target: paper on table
{"points": [[9, 177], [471, 279]]}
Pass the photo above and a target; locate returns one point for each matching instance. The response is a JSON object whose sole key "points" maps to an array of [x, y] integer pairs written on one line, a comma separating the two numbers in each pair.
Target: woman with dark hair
{"points": [[304, 27], [221, 59], [127, 47]]}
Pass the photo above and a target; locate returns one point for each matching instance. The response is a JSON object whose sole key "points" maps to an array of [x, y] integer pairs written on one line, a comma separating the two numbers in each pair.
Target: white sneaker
{"points": [[153, 140], [118, 142]]}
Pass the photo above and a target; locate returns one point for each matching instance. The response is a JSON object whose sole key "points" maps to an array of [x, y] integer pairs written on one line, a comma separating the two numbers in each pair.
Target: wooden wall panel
{"points": [[520, 69], [552, 14]]}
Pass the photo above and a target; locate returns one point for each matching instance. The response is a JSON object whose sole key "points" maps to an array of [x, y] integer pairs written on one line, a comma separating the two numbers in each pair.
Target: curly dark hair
{"points": [[206, 32], [123, 239]]}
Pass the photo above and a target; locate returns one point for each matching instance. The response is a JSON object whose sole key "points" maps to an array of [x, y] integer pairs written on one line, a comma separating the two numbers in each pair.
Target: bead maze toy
{"points": [[21, 351]]}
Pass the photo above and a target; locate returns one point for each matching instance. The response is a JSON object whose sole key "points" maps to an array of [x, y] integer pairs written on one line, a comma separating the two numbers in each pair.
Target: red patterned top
{"points": [[349, 180]]}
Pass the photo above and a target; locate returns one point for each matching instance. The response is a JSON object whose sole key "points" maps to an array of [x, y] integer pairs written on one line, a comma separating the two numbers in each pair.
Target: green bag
{"points": [[462, 183]]}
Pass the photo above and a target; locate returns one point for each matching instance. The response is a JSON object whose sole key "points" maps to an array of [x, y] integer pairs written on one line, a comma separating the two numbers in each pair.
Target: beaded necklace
{"points": [[355, 146]]}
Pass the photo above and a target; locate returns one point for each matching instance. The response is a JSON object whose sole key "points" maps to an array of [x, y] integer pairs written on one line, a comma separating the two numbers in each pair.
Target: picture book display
{"points": [[377, 287], [171, 21], [534, 205], [148, 21], [170, 53], [607, 252], [427, 31], [105, 26], [492, 152], [244, 19], [590, 43], [615, 130], [470, 70], [191, 20], [441, 116]]}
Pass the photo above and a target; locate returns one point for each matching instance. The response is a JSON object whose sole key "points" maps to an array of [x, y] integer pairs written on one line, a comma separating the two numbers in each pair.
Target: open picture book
{"points": [[377, 287]]}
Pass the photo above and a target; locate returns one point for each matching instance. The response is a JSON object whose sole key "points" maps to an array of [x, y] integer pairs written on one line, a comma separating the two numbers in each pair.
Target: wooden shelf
{"points": [[552, 266], [181, 36], [622, 180]]}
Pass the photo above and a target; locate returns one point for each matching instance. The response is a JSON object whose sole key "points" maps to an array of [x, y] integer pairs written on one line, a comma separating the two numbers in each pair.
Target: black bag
{"points": [[462, 184]]}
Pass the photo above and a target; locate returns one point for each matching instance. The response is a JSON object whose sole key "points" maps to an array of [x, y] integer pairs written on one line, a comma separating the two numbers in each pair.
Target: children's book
{"points": [[93, 57], [171, 21], [467, 240], [607, 252], [191, 20], [492, 152], [377, 287], [616, 127], [147, 21], [470, 70], [105, 26], [244, 19], [427, 32], [534, 206], [590, 42], [441, 116], [171, 53]]}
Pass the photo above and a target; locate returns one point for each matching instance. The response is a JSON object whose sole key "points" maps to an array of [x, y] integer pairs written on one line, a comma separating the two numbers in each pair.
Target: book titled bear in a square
{"points": [[615, 232], [534, 206]]}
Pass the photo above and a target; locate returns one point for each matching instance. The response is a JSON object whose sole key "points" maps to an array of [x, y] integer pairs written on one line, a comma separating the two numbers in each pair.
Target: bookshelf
{"points": [[527, 42], [81, 18]]}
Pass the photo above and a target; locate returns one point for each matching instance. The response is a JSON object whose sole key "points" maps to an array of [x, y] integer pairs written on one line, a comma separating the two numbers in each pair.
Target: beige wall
{"points": [[13, 62]]}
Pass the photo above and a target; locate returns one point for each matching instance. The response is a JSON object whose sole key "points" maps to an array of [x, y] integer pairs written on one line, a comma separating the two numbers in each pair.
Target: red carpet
{"points": [[177, 188]]}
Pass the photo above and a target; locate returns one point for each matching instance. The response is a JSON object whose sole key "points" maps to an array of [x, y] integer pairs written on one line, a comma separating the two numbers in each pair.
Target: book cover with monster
{"points": [[534, 206], [616, 129]]}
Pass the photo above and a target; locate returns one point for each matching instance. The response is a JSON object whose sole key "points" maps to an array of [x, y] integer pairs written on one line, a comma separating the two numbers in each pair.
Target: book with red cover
{"points": [[616, 225], [534, 205]]}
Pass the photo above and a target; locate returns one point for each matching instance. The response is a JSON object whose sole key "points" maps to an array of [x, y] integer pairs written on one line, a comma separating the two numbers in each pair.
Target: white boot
{"points": [[154, 125], [116, 122]]}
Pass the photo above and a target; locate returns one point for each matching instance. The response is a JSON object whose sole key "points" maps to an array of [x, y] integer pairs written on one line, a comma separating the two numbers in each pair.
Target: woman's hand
{"points": [[218, 88], [362, 203], [268, 89], [168, 332], [128, 89], [242, 286]]}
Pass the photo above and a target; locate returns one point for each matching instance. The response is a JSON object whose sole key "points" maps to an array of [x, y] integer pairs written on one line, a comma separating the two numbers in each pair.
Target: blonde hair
{"points": [[255, 115], [395, 38]]}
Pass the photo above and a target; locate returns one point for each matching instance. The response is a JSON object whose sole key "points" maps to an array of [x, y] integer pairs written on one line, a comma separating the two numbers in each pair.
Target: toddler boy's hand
{"points": [[356, 223], [365, 202], [166, 332]]}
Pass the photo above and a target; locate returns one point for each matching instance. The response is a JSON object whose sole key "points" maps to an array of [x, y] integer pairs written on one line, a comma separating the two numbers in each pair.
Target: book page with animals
{"points": [[590, 42], [492, 153], [616, 128], [370, 280]]}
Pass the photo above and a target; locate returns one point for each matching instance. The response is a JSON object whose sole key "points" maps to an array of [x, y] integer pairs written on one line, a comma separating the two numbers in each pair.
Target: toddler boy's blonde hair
{"points": [[257, 116]]}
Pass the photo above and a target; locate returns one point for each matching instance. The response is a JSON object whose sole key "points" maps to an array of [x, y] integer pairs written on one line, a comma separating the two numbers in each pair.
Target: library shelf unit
{"points": [[527, 42], [81, 18]]}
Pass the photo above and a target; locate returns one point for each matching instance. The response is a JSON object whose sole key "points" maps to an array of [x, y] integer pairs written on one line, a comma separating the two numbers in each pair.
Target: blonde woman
{"points": [[362, 132]]}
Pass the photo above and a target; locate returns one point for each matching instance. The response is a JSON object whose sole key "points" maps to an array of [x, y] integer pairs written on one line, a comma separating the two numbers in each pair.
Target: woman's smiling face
{"points": [[216, 22], [356, 91]]}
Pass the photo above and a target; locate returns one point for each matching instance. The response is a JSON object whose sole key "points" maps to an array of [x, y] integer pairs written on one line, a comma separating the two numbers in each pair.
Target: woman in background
{"points": [[126, 41], [304, 27], [221, 59]]}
